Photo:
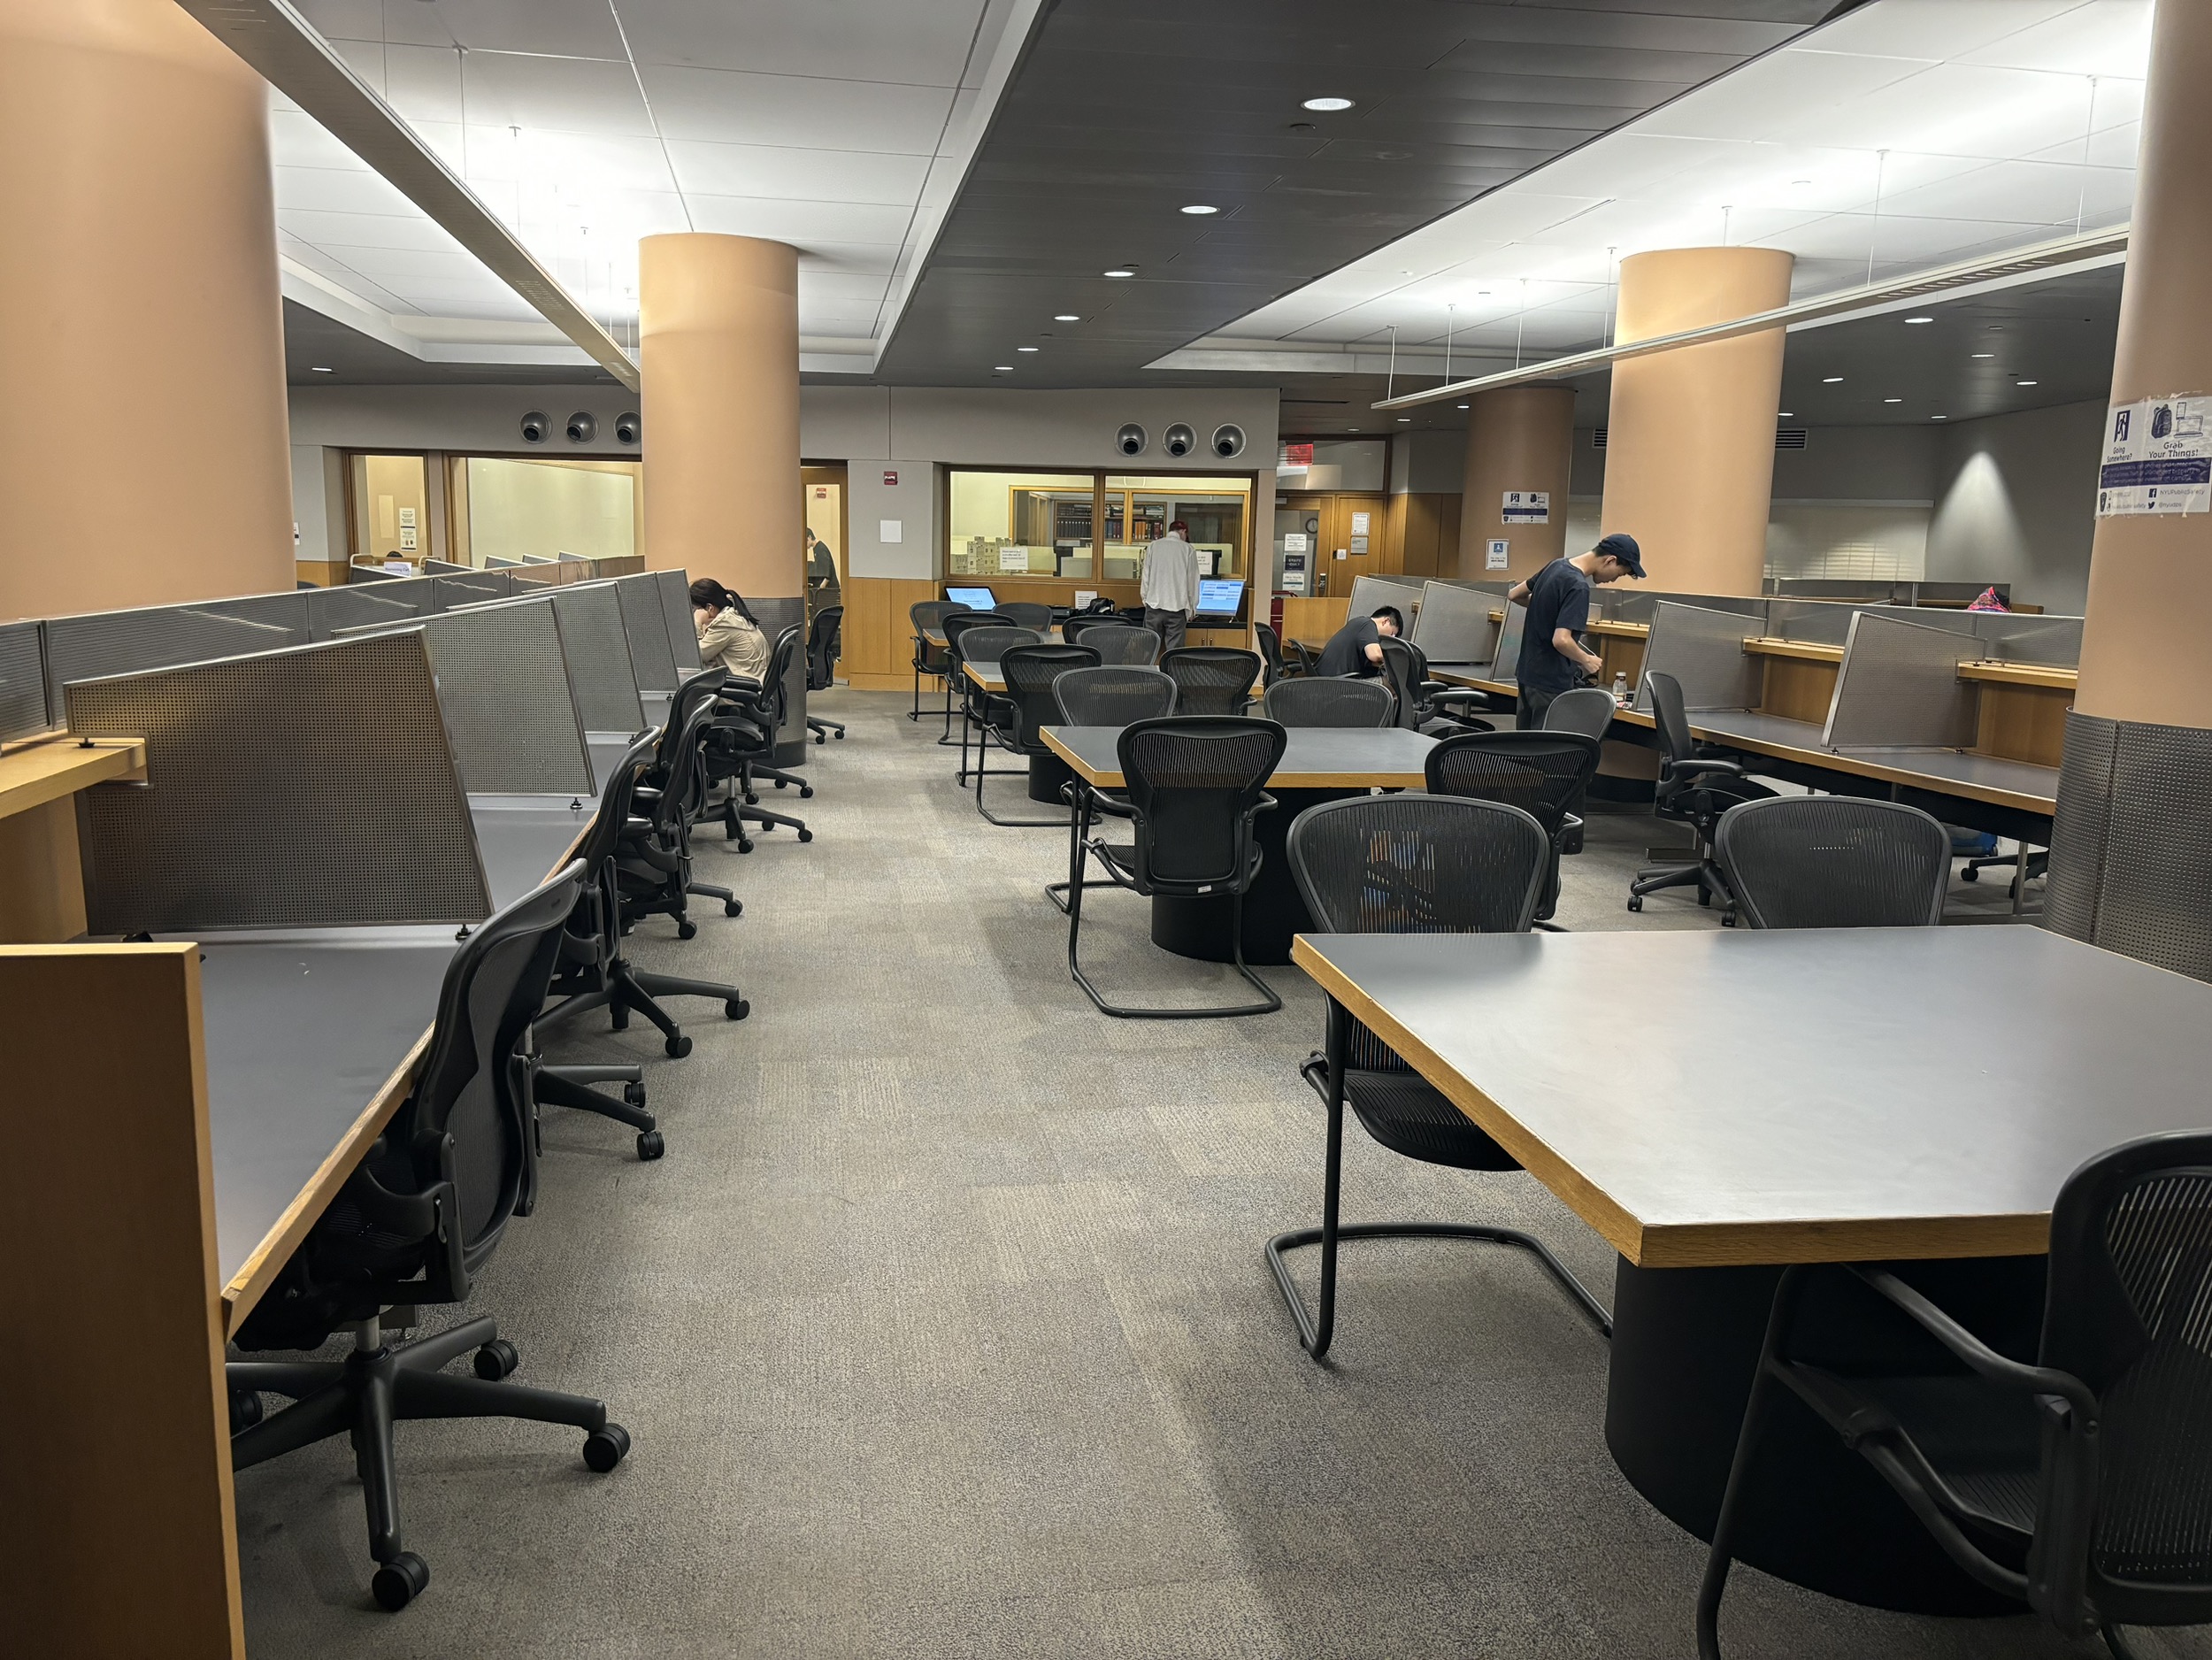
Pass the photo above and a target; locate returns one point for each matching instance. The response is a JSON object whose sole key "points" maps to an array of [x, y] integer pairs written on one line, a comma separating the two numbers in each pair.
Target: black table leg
{"points": [[1684, 1343], [1048, 775], [1273, 910]]}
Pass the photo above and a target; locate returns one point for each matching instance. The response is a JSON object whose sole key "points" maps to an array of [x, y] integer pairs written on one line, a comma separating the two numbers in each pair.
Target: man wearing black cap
{"points": [[1553, 658]]}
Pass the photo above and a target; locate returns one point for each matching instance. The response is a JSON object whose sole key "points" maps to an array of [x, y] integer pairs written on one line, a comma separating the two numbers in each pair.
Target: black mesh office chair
{"points": [[1029, 703], [1543, 774], [980, 643], [1329, 700], [1116, 643], [1407, 863], [1304, 659], [1588, 709], [1693, 789], [1424, 705], [823, 634], [739, 746], [1194, 783], [1021, 614], [776, 694], [1212, 679], [678, 731], [1104, 697], [928, 618], [955, 686], [414, 1224], [1833, 862], [2082, 1484], [1271, 645]]}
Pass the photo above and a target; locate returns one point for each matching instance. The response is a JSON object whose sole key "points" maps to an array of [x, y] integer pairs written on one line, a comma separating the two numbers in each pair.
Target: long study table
{"points": [[1715, 1104]]}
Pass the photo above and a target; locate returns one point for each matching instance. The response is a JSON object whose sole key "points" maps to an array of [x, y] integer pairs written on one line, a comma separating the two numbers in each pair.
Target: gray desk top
{"points": [[524, 839], [1805, 1096], [1315, 757], [300, 1037], [1938, 770]]}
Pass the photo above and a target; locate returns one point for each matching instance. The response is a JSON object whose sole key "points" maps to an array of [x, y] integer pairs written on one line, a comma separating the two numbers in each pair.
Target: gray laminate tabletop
{"points": [[1791, 1095], [1314, 758], [525, 838], [301, 1035]]}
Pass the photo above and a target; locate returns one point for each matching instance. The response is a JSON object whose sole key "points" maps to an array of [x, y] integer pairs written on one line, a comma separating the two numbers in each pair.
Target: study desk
{"points": [[41, 885], [1319, 764], [1762, 1098]]}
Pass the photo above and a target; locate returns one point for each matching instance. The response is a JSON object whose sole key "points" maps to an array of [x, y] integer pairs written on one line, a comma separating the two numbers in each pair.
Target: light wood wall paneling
{"points": [[1798, 688], [2024, 723]]}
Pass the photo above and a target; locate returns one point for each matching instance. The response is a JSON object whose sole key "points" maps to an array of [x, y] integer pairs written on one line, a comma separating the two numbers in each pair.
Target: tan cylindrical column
{"points": [[1518, 438], [2136, 662], [1689, 448], [144, 457], [718, 331]]}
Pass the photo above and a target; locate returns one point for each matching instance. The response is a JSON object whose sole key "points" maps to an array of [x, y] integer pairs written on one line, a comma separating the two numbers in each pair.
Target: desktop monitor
{"points": [[973, 598], [1220, 597]]}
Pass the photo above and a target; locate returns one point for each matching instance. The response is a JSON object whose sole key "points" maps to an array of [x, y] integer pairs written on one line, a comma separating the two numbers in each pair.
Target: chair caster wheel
{"points": [[677, 1047], [603, 1448], [1727, 918], [400, 1582], [496, 1360], [737, 1007], [744, 846], [1635, 901], [649, 1146], [806, 835], [634, 1095], [245, 1410], [687, 929], [1969, 874], [732, 907], [806, 792], [841, 737]]}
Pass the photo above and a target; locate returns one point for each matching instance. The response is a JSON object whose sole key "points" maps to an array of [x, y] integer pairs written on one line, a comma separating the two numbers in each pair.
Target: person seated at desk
{"points": [[1356, 648], [729, 635], [1554, 659]]}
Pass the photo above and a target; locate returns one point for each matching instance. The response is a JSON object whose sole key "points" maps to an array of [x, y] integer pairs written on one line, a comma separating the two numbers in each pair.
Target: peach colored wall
{"points": [[1518, 438], [144, 449]]}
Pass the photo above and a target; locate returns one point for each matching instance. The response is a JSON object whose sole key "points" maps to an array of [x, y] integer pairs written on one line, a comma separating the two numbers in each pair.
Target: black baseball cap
{"points": [[1621, 546]]}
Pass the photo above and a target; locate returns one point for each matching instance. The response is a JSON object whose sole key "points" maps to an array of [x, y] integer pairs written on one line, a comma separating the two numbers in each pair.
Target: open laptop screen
{"points": [[973, 598]]}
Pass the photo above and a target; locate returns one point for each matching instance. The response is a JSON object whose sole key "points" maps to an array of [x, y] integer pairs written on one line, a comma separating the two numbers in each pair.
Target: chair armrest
{"points": [[1693, 769], [1265, 803], [1115, 808], [1451, 694], [1983, 1360]]}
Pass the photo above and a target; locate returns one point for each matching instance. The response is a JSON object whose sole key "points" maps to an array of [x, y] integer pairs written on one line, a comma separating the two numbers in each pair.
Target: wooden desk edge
{"points": [[75, 766], [1697, 1245]]}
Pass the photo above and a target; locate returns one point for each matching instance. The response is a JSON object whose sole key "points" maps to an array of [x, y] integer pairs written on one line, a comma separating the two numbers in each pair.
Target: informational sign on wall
{"points": [[1293, 570], [889, 530], [1499, 551], [1359, 543], [1013, 559], [1294, 542], [1526, 507], [2157, 457], [1359, 524]]}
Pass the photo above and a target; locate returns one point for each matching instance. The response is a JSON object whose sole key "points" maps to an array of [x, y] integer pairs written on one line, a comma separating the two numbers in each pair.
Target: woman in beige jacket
{"points": [[728, 636]]}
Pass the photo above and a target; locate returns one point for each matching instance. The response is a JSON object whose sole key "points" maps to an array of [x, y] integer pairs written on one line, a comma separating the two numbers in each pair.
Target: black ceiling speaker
{"points": [[626, 427], [1181, 441], [1228, 440], [1131, 440], [583, 427], [536, 425]]}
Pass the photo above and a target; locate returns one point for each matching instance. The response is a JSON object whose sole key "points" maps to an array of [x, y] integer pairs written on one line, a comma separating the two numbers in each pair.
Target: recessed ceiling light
{"points": [[1328, 103], [1794, 183], [2023, 383], [1459, 406], [1784, 414], [1920, 319], [318, 369], [1833, 380], [1938, 418], [1120, 271], [1025, 348], [1201, 209], [1985, 354], [1065, 317], [1003, 368], [1405, 420], [1892, 400]]}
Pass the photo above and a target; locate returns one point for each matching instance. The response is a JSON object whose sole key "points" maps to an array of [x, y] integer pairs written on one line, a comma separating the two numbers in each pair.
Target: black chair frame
{"points": [[1016, 732]]}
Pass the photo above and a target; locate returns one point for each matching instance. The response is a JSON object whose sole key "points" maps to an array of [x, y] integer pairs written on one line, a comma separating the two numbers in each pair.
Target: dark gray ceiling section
{"points": [[313, 342], [1123, 111]]}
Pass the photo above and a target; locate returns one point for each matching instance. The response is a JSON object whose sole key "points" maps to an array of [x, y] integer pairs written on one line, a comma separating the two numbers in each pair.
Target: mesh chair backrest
{"points": [[993, 641], [1212, 679], [957, 625], [1031, 671], [695, 691], [1835, 862], [1118, 643], [1670, 716], [1587, 709], [2128, 1311], [1027, 616], [1326, 701], [1192, 779], [928, 616], [821, 648], [1410, 863], [1405, 669], [1113, 696], [1541, 772], [495, 986], [779, 657], [1304, 654]]}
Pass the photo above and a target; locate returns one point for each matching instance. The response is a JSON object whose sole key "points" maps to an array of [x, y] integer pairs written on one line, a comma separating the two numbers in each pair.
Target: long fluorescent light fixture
{"points": [[291, 56], [2090, 248]]}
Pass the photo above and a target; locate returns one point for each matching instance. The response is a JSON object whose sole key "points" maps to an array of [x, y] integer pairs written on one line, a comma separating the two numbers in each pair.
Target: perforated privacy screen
{"points": [[1455, 623], [2132, 842], [1703, 650], [647, 632], [87, 648], [304, 788], [1508, 662], [1900, 686], [332, 609], [22, 681], [598, 652], [274, 611], [472, 589], [683, 636]]}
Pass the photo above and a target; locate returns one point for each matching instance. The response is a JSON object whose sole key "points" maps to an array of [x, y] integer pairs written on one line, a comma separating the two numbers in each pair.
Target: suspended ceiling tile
{"points": [[845, 40], [728, 107], [763, 170], [804, 222]]}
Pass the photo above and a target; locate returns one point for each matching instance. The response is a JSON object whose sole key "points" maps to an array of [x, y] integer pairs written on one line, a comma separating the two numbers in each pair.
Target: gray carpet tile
{"points": [[942, 1330]]}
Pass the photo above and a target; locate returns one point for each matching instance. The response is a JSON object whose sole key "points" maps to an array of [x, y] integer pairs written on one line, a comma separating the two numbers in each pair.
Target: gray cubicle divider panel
{"points": [[101, 644], [330, 609], [1899, 687], [444, 567], [446, 592], [286, 611], [647, 628], [339, 809], [683, 636], [2028, 637], [23, 709], [1507, 664], [1370, 591], [1814, 621], [1703, 650], [1455, 625], [599, 666]]}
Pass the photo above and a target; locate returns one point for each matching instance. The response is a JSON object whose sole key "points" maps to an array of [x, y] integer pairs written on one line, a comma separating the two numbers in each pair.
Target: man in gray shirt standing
{"points": [[1170, 584]]}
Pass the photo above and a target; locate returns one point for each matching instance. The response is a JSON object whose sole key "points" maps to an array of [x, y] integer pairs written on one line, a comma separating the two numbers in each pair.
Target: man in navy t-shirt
{"points": [[1554, 659]]}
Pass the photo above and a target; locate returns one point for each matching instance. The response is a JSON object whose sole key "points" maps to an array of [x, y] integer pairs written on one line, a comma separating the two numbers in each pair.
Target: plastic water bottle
{"points": [[1620, 689]]}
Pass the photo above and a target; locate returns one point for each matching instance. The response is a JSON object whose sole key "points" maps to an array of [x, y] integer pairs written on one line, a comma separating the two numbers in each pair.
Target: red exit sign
{"points": [[890, 480]]}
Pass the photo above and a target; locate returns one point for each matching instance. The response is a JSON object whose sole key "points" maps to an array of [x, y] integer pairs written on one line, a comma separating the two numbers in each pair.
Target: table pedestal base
{"points": [[1685, 1341], [1048, 774], [1274, 910]]}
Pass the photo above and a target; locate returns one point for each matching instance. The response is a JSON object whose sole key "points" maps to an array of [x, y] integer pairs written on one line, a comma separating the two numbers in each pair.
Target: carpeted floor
{"points": [[942, 1330]]}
